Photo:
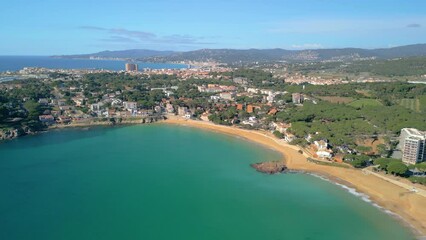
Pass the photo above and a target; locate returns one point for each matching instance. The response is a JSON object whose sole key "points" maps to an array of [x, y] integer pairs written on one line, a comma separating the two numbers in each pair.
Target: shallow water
{"points": [[169, 182]]}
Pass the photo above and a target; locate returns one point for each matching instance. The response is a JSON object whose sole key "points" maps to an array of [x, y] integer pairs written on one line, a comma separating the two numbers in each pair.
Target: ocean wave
{"points": [[365, 198]]}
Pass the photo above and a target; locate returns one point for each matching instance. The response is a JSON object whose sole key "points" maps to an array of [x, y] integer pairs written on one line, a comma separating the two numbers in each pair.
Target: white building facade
{"points": [[413, 143]]}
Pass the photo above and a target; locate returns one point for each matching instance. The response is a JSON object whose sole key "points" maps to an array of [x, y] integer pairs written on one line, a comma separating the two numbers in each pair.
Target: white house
{"points": [[96, 107], [215, 98], [321, 145], [251, 121], [252, 90], [288, 137], [182, 111], [324, 154], [130, 106], [227, 95]]}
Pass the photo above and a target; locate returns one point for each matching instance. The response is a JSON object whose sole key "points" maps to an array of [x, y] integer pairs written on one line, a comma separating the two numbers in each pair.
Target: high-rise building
{"points": [[131, 67], [413, 145], [297, 98]]}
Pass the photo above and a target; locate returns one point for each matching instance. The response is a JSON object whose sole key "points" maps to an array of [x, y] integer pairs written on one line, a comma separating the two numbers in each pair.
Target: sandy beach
{"points": [[411, 207]]}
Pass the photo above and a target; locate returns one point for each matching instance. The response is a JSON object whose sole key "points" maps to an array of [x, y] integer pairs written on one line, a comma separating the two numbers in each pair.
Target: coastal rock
{"points": [[270, 167], [8, 134]]}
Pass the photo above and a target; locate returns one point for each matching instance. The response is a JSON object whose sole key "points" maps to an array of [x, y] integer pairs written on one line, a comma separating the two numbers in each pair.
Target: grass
{"points": [[413, 104], [333, 99], [365, 102], [364, 92], [419, 180], [422, 103]]}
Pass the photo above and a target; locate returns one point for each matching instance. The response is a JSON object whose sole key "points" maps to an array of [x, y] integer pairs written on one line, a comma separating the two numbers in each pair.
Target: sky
{"points": [[49, 27]]}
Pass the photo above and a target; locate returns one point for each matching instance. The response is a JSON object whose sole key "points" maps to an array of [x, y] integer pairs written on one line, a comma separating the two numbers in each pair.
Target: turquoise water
{"points": [[168, 182]]}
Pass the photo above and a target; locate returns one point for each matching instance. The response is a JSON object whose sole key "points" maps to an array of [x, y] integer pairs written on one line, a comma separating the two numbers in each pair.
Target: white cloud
{"points": [[121, 35]]}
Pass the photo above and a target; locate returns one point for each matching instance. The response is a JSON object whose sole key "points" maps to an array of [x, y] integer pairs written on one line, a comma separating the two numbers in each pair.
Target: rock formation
{"points": [[270, 167]]}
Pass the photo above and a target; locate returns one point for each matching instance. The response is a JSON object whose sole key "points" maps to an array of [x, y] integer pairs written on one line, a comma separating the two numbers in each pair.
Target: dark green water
{"points": [[168, 182]]}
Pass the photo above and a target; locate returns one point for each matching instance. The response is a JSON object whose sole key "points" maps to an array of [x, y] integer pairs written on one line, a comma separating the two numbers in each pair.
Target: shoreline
{"points": [[408, 208], [7, 135]]}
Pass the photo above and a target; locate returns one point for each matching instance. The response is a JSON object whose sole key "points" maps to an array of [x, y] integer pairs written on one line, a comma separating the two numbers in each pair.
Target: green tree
{"points": [[363, 149], [3, 113], [230, 113], [382, 150], [421, 166], [34, 110], [299, 141], [384, 162], [358, 161], [278, 134], [420, 180], [397, 168]]}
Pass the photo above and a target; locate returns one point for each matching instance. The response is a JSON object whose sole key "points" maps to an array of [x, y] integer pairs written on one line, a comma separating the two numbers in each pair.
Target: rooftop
{"points": [[415, 133]]}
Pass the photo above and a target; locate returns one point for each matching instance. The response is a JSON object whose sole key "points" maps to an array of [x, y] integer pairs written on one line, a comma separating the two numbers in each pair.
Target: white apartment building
{"points": [[412, 142]]}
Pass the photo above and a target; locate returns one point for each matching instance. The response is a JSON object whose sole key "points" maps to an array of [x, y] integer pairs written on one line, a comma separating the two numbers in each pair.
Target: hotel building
{"points": [[413, 143], [131, 67]]}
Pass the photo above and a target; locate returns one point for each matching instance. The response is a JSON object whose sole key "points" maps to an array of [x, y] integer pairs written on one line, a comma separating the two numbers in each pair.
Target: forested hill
{"points": [[262, 55], [131, 54], [271, 55]]}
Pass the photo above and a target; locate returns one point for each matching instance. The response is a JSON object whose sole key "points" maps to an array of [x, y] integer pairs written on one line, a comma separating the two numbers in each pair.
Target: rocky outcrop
{"points": [[7, 134], [270, 167]]}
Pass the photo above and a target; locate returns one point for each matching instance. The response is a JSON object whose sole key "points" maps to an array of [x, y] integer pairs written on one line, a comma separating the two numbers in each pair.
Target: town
{"points": [[337, 122]]}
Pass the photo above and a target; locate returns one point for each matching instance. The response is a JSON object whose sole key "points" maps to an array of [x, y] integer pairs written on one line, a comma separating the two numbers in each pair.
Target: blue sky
{"points": [[45, 27]]}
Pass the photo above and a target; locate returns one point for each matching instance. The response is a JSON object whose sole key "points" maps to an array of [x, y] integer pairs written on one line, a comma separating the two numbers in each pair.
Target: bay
{"points": [[15, 63], [169, 182]]}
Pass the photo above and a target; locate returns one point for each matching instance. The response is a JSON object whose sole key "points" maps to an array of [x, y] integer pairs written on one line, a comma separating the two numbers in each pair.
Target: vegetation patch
{"points": [[419, 180], [422, 103], [372, 144], [364, 92], [413, 104], [335, 99], [365, 102], [414, 66]]}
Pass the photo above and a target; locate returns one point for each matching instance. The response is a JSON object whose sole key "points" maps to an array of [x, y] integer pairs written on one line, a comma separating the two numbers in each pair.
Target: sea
{"points": [[169, 182], [15, 63]]}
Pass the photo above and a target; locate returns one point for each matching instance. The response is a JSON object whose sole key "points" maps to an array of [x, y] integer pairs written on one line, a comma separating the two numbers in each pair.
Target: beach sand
{"points": [[409, 206]]}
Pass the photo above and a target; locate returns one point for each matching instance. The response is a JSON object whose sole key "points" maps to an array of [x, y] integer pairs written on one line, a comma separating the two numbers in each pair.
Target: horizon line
{"points": [[242, 49]]}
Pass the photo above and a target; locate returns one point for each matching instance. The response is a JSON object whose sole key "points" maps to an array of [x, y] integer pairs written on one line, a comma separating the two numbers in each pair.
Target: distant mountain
{"points": [[271, 55], [125, 54], [416, 50], [234, 56], [227, 55]]}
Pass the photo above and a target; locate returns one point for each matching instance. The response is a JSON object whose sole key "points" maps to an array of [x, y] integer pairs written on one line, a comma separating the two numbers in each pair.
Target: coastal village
{"points": [[211, 120], [209, 92], [334, 124]]}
